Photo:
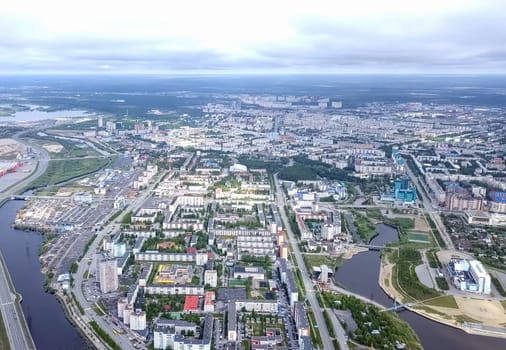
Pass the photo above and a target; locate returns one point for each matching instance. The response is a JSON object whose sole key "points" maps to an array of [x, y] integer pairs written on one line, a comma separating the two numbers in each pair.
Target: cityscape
{"points": [[204, 177]]}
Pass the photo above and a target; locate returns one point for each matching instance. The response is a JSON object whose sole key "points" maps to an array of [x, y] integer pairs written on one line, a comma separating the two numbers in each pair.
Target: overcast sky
{"points": [[275, 36]]}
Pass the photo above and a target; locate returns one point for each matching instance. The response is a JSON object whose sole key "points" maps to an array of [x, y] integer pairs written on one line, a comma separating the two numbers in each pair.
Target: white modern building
{"points": [[138, 321], [469, 275]]}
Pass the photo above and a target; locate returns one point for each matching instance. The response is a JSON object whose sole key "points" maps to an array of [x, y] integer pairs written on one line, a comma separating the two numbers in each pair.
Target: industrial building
{"points": [[469, 275], [9, 167]]}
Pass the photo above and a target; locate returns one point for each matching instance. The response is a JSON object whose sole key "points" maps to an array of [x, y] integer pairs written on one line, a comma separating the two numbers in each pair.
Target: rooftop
{"points": [[191, 303]]}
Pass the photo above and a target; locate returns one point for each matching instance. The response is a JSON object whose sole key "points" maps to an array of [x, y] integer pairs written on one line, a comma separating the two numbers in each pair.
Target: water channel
{"points": [[360, 275], [45, 317]]}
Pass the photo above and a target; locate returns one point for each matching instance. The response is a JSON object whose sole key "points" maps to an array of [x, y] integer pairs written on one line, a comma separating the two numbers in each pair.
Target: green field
{"points": [[70, 148], [416, 236], [365, 228], [318, 260], [444, 301], [63, 170], [237, 283]]}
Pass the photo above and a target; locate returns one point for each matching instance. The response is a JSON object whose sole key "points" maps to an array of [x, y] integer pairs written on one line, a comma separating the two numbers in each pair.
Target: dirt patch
{"points": [[352, 251], [10, 148], [445, 255], [53, 147], [421, 225], [385, 280], [489, 312]]}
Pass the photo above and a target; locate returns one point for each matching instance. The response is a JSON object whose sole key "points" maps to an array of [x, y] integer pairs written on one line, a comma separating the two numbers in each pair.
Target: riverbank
{"points": [[71, 315], [352, 251], [483, 317], [43, 313], [16, 331]]}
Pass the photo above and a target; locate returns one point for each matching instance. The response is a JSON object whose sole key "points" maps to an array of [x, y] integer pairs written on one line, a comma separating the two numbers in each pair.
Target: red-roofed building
{"points": [[191, 303], [191, 250], [209, 302]]}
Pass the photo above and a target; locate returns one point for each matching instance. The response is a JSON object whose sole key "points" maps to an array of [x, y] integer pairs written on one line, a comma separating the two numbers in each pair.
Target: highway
{"points": [[308, 284], [12, 321], [90, 257]]}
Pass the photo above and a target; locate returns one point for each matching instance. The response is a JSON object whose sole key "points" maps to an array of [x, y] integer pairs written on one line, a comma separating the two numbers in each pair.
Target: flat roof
{"points": [[191, 303], [208, 298]]}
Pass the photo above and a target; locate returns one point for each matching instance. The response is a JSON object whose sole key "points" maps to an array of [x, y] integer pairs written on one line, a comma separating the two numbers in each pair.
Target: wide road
{"points": [[429, 208], [308, 284], [121, 339], [13, 322]]}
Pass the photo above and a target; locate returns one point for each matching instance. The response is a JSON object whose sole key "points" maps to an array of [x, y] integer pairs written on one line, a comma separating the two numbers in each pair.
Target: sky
{"points": [[276, 36]]}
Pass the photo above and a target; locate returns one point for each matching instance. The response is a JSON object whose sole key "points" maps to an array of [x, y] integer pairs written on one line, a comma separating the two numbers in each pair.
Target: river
{"points": [[45, 317], [34, 115], [360, 275]]}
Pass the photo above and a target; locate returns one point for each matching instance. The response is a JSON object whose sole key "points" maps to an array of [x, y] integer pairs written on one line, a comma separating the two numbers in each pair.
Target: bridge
{"points": [[398, 306], [370, 246]]}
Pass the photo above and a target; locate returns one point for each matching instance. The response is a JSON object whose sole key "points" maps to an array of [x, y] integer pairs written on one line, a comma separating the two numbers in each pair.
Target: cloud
{"points": [[225, 36]]}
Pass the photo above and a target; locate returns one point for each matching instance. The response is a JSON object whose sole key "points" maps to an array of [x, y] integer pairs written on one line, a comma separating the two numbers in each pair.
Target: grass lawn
{"points": [[63, 170], [237, 283], [444, 301], [464, 318], [318, 260], [365, 228], [432, 311], [417, 236]]}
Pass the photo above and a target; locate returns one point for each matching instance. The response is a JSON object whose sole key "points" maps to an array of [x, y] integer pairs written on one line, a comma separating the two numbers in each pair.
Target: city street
{"points": [[308, 284], [121, 339]]}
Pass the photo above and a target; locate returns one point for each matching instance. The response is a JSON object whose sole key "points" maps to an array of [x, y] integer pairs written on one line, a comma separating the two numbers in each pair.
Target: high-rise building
{"points": [[404, 191], [108, 275], [100, 121], [138, 320]]}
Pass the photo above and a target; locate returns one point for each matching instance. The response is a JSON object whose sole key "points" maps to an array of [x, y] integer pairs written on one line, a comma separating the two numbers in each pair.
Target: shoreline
{"points": [[395, 295], [68, 315]]}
